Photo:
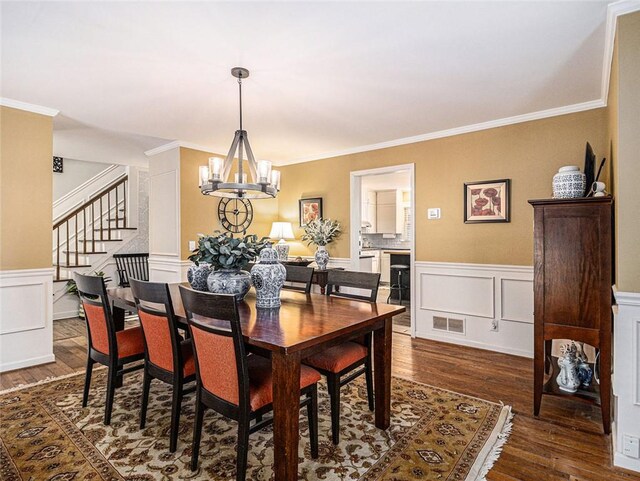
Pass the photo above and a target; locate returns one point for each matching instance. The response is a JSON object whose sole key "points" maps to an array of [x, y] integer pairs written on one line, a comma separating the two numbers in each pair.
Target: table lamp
{"points": [[282, 231]]}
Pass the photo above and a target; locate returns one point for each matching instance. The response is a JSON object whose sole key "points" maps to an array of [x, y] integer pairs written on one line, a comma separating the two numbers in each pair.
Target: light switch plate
{"points": [[631, 446], [192, 245], [433, 213]]}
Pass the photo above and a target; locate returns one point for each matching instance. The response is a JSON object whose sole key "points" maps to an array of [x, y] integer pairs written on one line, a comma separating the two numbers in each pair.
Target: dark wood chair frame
{"points": [[130, 266], [299, 275], [92, 290], [223, 308], [335, 380], [158, 293]]}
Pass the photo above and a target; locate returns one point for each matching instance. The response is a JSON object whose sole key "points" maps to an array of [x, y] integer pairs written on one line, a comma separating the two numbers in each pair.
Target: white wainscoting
{"points": [[167, 268], [26, 318], [626, 374], [483, 296]]}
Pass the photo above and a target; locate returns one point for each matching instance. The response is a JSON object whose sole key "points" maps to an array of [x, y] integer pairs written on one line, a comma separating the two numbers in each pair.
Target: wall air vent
{"points": [[448, 324]]}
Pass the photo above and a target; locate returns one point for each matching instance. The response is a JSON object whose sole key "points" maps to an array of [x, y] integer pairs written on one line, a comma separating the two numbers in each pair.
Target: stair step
{"points": [[101, 240], [71, 266], [80, 253], [115, 228]]}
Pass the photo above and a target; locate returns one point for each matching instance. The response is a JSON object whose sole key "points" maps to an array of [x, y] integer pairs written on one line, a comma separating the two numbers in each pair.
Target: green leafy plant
{"points": [[223, 251], [321, 232]]}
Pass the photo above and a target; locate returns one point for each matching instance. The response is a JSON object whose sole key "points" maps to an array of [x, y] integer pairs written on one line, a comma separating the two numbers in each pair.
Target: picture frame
{"points": [[487, 201], [58, 165], [310, 209]]}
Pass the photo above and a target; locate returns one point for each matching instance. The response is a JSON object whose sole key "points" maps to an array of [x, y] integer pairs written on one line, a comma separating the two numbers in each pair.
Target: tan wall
{"points": [[26, 180], [199, 213], [528, 153], [628, 153]]}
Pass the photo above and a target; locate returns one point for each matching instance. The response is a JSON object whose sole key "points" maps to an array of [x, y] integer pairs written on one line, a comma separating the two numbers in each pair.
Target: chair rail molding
{"points": [[26, 318], [626, 377], [494, 302]]}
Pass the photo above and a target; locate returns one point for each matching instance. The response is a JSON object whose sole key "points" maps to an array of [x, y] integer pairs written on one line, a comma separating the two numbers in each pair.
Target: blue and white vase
{"points": [[569, 183], [322, 257], [197, 276], [268, 277], [229, 281]]}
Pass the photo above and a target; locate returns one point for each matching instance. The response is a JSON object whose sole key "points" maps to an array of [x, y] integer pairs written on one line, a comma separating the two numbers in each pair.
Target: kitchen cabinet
{"points": [[385, 267], [368, 210], [390, 212]]}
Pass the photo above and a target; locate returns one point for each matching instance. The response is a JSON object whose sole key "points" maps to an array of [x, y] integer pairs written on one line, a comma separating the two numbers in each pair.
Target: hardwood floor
{"points": [[565, 443]]}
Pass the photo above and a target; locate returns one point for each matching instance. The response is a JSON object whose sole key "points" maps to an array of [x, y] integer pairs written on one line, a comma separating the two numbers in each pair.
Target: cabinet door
{"points": [[386, 197], [375, 265], [386, 218], [385, 267]]}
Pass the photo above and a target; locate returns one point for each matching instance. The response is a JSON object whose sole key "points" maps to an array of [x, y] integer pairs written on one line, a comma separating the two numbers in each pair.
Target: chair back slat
{"points": [[358, 280], [214, 324], [159, 324], [299, 275], [101, 334], [134, 266]]}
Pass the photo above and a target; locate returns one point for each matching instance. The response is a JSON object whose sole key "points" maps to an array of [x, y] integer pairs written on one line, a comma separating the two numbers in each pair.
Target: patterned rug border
{"points": [[485, 460], [46, 380]]}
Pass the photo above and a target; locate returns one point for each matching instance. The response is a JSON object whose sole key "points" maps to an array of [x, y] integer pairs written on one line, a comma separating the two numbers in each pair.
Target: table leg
{"points": [[118, 317], [382, 373], [285, 370], [118, 321]]}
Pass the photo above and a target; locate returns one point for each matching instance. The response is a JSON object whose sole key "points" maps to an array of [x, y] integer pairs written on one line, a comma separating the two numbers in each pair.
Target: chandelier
{"points": [[214, 178]]}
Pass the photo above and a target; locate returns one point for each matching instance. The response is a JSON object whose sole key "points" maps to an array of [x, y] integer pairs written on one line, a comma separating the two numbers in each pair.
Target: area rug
{"points": [[434, 435]]}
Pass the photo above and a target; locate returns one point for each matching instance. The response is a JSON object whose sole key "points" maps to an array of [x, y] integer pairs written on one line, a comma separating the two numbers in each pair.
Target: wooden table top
{"points": [[302, 321]]}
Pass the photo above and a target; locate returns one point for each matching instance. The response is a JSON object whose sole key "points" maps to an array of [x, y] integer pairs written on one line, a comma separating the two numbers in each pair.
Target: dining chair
{"points": [[345, 362], [114, 349], [247, 393], [299, 275], [168, 357]]}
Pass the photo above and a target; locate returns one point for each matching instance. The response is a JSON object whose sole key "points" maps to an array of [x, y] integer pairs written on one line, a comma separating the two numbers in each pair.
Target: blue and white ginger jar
{"points": [[569, 183], [197, 276], [268, 277]]}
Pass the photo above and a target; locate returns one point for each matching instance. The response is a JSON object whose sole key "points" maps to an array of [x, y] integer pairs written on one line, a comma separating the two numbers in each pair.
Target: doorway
{"points": [[382, 234]]}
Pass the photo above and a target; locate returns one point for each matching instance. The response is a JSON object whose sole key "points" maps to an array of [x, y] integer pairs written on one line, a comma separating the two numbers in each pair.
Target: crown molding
{"points": [[542, 114], [36, 109], [176, 144], [614, 10]]}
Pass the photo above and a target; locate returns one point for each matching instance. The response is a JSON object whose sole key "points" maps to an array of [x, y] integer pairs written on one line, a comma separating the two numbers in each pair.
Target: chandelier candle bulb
{"points": [[204, 175], [264, 172], [275, 179], [215, 168]]}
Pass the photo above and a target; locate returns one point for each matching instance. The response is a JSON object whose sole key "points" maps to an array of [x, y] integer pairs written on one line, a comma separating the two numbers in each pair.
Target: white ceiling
{"points": [[325, 77], [392, 181]]}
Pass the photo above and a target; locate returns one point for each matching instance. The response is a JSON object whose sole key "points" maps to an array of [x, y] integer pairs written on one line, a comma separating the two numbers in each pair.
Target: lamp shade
{"points": [[281, 230]]}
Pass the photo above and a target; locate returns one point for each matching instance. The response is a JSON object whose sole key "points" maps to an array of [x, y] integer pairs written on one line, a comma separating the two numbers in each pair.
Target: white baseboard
{"points": [[65, 315], [32, 361], [477, 344], [626, 462], [26, 318]]}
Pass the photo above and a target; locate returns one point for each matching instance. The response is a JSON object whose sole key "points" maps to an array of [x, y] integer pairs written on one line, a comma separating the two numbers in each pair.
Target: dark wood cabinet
{"points": [[573, 275]]}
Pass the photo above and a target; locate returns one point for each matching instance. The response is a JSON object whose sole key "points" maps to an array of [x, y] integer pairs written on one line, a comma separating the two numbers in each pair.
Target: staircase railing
{"points": [[90, 223]]}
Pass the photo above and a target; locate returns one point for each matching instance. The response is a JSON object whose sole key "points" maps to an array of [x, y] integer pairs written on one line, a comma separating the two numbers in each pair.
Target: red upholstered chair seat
{"points": [[336, 358], [189, 367], [130, 342], [261, 382]]}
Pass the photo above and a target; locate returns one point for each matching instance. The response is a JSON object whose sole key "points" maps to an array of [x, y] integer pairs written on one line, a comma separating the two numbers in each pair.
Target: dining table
{"points": [[303, 325]]}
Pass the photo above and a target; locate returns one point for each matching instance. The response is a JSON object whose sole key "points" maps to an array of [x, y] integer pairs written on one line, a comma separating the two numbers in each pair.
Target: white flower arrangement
{"points": [[321, 232]]}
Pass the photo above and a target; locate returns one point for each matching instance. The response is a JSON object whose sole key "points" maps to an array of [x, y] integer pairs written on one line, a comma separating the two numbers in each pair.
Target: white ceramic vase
{"points": [[268, 277], [568, 380], [569, 183], [322, 257]]}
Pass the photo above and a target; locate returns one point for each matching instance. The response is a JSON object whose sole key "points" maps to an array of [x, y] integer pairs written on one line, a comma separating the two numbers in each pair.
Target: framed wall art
{"points": [[310, 209], [487, 201]]}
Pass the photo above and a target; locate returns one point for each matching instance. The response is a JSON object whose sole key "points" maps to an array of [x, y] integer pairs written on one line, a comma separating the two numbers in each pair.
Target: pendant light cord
{"points": [[240, 93]]}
